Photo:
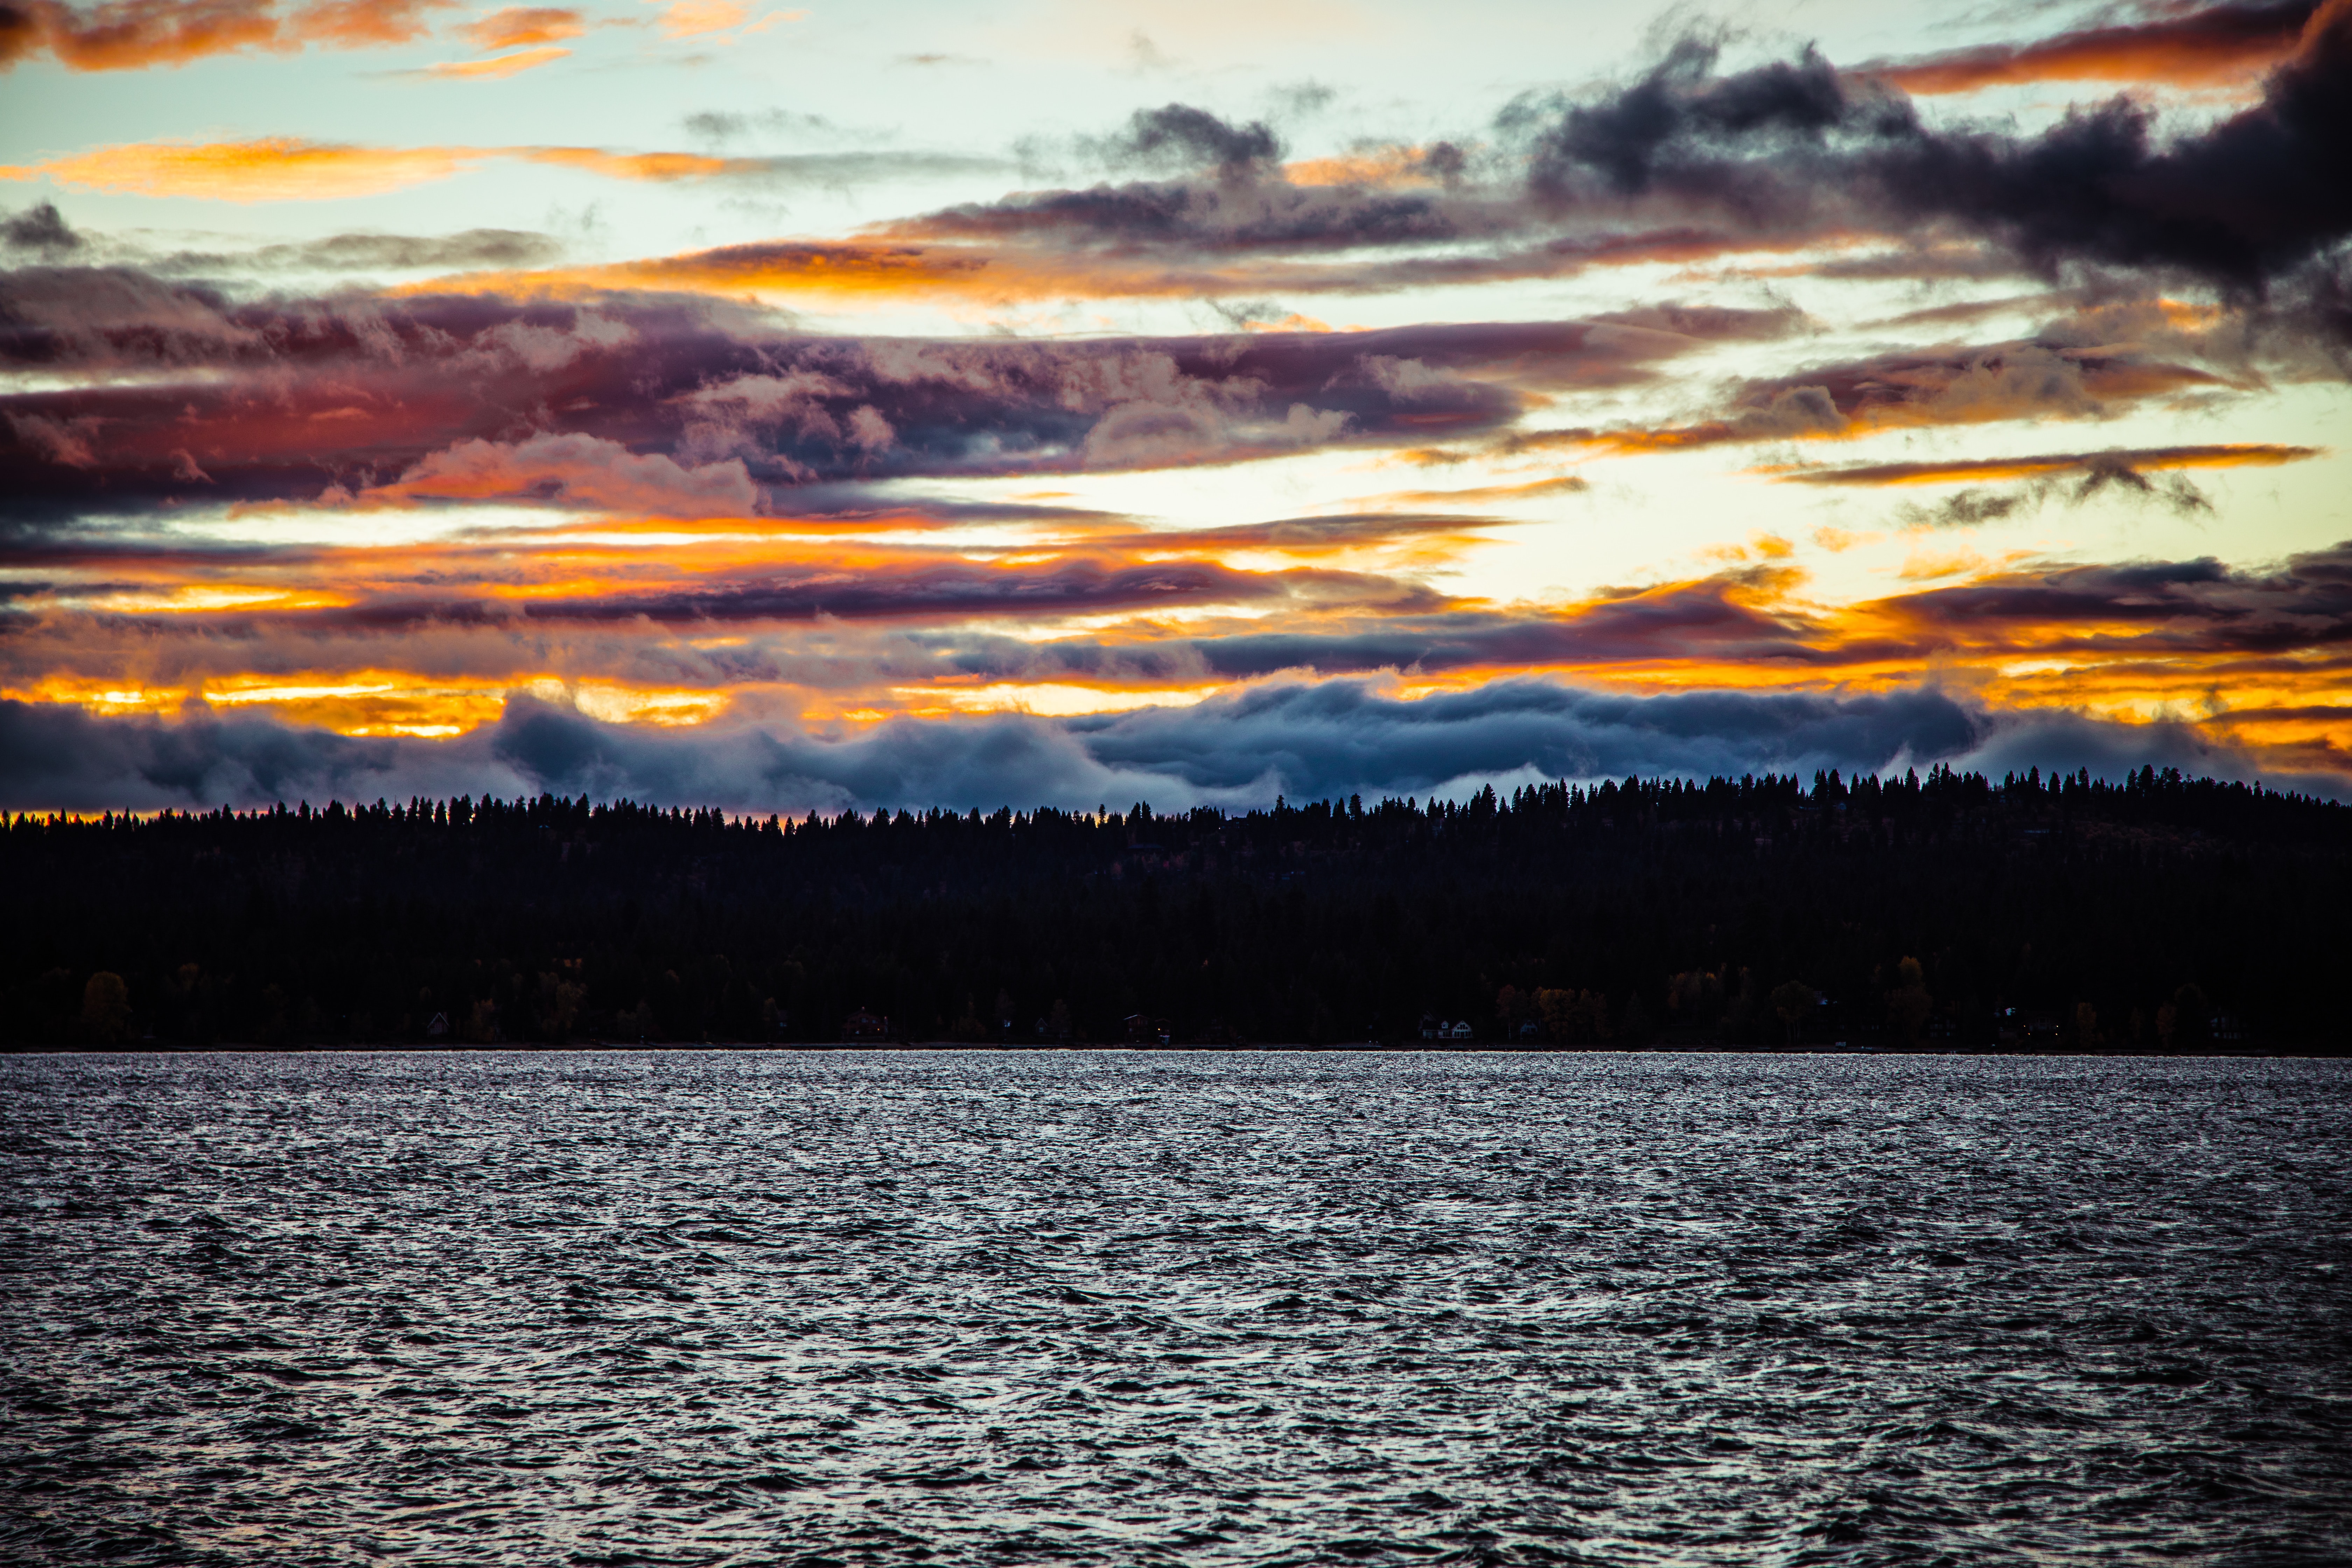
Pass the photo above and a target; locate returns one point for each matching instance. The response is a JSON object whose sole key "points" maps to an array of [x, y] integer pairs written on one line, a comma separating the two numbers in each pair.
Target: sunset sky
{"points": [[1042, 401]]}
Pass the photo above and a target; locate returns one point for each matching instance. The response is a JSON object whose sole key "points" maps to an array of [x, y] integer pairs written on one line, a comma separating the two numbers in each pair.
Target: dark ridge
{"points": [[1944, 912]]}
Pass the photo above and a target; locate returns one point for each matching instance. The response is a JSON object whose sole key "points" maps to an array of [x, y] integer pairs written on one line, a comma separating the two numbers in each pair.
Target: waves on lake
{"points": [[1215, 1308]]}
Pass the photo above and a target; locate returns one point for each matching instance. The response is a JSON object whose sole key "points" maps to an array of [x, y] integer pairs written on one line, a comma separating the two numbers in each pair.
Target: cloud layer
{"points": [[394, 394], [1334, 739]]}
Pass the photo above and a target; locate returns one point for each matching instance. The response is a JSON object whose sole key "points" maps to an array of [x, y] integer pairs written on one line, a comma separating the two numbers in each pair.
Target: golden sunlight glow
{"points": [[287, 169], [631, 705], [1049, 698], [197, 600], [271, 169], [497, 67], [1389, 165], [233, 692]]}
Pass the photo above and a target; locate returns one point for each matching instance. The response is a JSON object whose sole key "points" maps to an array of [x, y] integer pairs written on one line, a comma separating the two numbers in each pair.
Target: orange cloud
{"points": [[1390, 166], [844, 267], [1293, 322], [2224, 46], [705, 18], [651, 166], [1488, 495], [519, 27], [693, 19], [497, 67], [271, 169], [285, 168], [132, 35]]}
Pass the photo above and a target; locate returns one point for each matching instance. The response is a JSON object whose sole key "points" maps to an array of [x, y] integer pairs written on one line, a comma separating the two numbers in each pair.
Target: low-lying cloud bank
{"points": [[1331, 738]]}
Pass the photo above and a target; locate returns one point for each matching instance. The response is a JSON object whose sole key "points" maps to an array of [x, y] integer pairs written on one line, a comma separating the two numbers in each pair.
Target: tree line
{"points": [[2157, 912]]}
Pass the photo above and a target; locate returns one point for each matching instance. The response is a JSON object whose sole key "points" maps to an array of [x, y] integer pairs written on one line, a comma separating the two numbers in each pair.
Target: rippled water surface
{"points": [[1188, 1307]]}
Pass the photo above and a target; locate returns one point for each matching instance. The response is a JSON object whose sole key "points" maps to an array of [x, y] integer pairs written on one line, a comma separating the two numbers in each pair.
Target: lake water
{"points": [[1214, 1308]]}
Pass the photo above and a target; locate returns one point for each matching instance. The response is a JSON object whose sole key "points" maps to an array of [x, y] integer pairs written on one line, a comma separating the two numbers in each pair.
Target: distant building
{"points": [[437, 1026], [864, 1026]]}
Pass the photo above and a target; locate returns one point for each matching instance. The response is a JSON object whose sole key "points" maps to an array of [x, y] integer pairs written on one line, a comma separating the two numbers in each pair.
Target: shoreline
{"points": [[150, 1048]]}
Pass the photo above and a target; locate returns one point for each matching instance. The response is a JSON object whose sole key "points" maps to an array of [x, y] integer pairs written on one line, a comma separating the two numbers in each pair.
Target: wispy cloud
{"points": [[289, 169], [1977, 471], [495, 67]]}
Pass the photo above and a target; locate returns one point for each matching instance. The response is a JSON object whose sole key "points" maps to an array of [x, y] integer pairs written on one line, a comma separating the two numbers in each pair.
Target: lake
{"points": [[1203, 1307]]}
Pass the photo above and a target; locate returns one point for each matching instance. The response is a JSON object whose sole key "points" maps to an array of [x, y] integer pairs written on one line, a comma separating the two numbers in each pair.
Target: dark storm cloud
{"points": [[1681, 127], [1180, 135], [39, 227], [2240, 204], [59, 757], [1690, 161], [1335, 738], [2257, 195]]}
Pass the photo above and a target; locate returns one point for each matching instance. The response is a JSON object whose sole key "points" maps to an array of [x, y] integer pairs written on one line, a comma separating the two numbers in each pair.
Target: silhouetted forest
{"points": [[1950, 911]]}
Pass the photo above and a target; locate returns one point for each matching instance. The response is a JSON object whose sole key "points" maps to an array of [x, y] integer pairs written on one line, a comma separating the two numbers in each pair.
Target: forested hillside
{"points": [[1951, 911]]}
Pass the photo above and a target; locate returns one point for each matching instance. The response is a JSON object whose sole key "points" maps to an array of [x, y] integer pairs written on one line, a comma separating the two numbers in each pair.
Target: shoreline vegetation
{"points": [[1949, 913]]}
